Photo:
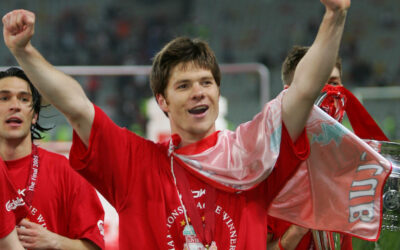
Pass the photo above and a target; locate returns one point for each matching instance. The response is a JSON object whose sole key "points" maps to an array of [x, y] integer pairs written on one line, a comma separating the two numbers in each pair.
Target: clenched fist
{"points": [[18, 29]]}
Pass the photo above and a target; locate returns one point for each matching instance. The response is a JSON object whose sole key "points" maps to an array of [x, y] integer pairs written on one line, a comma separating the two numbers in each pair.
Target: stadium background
{"points": [[105, 32]]}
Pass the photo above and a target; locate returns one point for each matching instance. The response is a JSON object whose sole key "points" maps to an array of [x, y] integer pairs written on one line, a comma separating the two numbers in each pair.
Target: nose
{"points": [[15, 104], [197, 91]]}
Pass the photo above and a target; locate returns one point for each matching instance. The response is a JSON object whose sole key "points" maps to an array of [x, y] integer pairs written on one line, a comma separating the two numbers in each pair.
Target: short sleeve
{"points": [[290, 156], [114, 159], [85, 212]]}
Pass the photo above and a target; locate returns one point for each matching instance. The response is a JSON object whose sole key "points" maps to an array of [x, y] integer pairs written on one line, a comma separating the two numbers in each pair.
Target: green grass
{"points": [[387, 241]]}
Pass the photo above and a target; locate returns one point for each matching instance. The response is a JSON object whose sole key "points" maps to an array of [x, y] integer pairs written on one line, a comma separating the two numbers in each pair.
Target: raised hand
{"points": [[335, 5], [18, 29]]}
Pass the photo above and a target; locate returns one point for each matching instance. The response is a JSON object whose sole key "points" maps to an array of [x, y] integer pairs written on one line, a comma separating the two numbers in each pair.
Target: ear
{"points": [[162, 102], [34, 118]]}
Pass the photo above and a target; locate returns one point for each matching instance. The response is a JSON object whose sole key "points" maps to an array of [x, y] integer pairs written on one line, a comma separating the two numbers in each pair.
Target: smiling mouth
{"points": [[198, 110], [14, 120]]}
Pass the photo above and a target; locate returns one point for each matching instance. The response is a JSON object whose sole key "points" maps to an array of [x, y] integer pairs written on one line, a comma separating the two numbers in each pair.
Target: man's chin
{"points": [[15, 136], [203, 132]]}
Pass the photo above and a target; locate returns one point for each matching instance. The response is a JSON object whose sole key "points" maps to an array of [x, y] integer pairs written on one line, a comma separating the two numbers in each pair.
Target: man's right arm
{"points": [[35, 236], [59, 89], [11, 242], [289, 240], [314, 68]]}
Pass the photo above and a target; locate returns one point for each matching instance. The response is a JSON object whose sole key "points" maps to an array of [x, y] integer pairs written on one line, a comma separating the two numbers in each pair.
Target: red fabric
{"points": [[11, 216], [333, 102], [134, 175], [63, 201], [346, 242], [279, 227], [280, 244], [364, 126]]}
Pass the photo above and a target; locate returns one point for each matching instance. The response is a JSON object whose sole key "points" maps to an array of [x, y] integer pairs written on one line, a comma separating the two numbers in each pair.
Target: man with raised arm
{"points": [[336, 101], [62, 210], [282, 233], [164, 199]]}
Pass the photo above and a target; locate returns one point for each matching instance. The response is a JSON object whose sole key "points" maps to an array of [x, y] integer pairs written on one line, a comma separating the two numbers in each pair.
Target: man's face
{"points": [[16, 114], [191, 101], [335, 79], [333, 102]]}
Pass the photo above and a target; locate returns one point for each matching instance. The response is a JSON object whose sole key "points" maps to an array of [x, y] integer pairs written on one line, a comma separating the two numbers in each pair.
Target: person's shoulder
{"points": [[47, 156], [158, 147], [55, 165], [127, 135]]}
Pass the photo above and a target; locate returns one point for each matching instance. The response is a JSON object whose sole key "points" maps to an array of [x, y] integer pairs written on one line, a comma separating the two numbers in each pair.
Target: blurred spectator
{"points": [[360, 71]]}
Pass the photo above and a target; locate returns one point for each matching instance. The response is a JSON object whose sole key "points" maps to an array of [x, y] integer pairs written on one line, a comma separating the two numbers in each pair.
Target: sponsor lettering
{"points": [[363, 212], [170, 242], [14, 203], [21, 192], [198, 193], [201, 205], [229, 223], [176, 216], [364, 191], [41, 221], [35, 170], [33, 210], [372, 183]]}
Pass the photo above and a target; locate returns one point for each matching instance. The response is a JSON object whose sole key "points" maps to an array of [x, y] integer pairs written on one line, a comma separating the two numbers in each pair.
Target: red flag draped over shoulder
{"points": [[339, 188]]}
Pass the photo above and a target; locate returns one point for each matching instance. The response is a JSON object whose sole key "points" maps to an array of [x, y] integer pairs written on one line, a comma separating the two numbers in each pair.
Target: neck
{"points": [[15, 149], [188, 141], [189, 138]]}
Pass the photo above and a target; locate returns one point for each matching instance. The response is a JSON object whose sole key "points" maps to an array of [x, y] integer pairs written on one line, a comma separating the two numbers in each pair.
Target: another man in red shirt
{"points": [[63, 210], [282, 234]]}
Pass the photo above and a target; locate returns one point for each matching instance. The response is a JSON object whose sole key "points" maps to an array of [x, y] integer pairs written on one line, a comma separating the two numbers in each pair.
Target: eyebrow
{"points": [[207, 78], [201, 79], [334, 78], [188, 80], [19, 93]]}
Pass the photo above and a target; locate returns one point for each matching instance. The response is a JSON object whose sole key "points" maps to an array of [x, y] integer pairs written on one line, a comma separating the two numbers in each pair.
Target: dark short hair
{"points": [[293, 58], [181, 50], [36, 129]]}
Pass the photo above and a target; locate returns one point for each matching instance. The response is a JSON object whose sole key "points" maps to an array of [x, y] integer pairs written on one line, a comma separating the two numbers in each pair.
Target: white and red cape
{"points": [[338, 188]]}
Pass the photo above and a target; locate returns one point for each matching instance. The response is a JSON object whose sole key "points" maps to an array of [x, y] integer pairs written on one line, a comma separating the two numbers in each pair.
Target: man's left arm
{"points": [[10, 241], [34, 236], [84, 209], [289, 240], [314, 69]]}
